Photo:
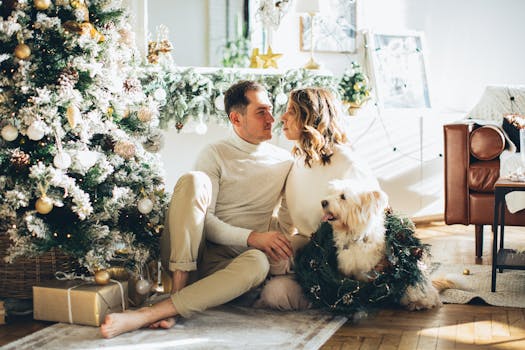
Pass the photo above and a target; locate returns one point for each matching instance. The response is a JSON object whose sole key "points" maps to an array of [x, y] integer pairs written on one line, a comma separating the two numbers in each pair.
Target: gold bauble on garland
{"points": [[42, 5], [44, 205], [22, 51], [102, 277]]}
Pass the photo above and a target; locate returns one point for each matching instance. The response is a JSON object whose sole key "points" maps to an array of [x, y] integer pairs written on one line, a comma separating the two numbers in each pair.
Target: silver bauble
{"points": [[143, 286], [145, 205]]}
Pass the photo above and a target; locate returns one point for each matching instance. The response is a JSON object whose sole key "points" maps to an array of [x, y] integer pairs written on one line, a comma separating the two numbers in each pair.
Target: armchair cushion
{"points": [[483, 175], [487, 142]]}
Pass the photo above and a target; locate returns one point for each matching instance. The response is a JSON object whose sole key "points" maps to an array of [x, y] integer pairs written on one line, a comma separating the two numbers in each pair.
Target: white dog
{"points": [[357, 219]]}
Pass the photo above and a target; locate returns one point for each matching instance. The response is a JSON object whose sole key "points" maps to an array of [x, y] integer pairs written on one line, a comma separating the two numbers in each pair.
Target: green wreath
{"points": [[317, 272]]}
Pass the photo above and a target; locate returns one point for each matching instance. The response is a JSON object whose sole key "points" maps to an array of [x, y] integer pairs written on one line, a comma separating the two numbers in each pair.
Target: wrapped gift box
{"points": [[88, 304]]}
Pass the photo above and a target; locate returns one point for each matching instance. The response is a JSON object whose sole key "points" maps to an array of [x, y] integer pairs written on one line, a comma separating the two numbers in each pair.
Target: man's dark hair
{"points": [[235, 96]]}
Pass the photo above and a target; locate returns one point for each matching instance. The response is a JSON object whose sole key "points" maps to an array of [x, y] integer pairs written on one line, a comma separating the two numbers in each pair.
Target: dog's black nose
{"points": [[324, 203]]}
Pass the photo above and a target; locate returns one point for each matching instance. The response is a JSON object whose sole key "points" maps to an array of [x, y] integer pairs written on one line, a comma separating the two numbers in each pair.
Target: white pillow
{"points": [[497, 102]]}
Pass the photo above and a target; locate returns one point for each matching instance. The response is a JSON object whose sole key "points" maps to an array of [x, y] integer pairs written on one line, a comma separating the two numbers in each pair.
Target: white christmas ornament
{"points": [[281, 98], [219, 103], [9, 133], [36, 131], [159, 94], [145, 205], [87, 158], [143, 286], [62, 160], [201, 128]]}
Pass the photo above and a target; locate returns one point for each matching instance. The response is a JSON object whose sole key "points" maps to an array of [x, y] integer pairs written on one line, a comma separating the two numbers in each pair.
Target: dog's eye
{"points": [[343, 196]]}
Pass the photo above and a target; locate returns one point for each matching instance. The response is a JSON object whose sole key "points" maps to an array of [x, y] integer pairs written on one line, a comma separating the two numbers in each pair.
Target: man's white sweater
{"points": [[247, 183]]}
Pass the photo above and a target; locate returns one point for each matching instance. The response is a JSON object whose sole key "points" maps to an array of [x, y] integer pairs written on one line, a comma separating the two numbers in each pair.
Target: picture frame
{"points": [[334, 32], [398, 69]]}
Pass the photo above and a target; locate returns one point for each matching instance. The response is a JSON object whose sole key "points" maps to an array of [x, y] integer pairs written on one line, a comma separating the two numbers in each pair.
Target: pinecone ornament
{"points": [[20, 160], [68, 78], [132, 85]]}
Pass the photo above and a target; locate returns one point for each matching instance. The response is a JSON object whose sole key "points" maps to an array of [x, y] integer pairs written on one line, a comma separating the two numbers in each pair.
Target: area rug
{"points": [[510, 285], [226, 327]]}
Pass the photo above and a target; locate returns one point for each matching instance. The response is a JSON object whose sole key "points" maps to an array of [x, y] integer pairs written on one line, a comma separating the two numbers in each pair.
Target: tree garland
{"points": [[317, 272]]}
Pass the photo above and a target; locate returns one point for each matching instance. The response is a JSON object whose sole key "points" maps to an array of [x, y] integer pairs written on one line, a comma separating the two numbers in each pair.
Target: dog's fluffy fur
{"points": [[357, 219]]}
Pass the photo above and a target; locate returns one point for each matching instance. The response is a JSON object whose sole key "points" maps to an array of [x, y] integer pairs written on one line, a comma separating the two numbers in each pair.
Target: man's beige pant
{"points": [[219, 273]]}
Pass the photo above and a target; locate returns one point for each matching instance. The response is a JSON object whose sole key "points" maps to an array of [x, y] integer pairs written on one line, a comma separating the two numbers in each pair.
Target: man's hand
{"points": [[273, 243]]}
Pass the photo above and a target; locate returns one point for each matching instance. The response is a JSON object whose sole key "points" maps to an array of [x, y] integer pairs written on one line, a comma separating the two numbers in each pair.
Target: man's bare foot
{"points": [[118, 323], [166, 324], [180, 279]]}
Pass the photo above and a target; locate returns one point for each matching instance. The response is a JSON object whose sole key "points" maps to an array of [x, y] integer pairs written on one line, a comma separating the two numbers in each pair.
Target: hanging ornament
{"points": [[145, 205], [124, 149], [73, 115], [159, 94], [281, 98], [87, 159], [22, 51], [219, 102], [179, 126], [44, 205], [201, 128], [143, 286], [102, 277], [145, 114], [19, 160], [36, 131], [42, 5], [9, 133], [62, 160]]}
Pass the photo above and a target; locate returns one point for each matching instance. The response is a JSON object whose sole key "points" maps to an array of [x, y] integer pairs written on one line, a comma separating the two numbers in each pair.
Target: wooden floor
{"points": [[449, 327]]}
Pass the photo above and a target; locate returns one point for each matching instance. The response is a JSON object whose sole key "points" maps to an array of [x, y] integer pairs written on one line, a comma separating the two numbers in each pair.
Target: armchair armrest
{"points": [[457, 158]]}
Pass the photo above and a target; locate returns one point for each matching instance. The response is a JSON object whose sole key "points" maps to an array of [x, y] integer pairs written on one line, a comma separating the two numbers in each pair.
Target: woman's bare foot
{"points": [[166, 323]]}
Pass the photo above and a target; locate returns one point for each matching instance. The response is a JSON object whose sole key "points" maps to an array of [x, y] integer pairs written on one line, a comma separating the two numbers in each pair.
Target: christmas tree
{"points": [[77, 132]]}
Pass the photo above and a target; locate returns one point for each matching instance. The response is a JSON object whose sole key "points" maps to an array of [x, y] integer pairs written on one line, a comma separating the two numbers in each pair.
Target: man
{"points": [[220, 235]]}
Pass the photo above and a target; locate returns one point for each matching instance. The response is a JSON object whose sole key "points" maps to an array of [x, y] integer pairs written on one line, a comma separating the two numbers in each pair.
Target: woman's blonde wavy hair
{"points": [[317, 120]]}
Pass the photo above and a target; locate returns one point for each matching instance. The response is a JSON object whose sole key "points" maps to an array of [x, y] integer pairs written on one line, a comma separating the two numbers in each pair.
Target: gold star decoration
{"points": [[255, 59], [270, 58]]}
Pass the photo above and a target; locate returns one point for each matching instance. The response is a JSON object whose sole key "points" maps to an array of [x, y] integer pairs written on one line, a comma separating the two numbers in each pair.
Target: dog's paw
{"points": [[420, 297]]}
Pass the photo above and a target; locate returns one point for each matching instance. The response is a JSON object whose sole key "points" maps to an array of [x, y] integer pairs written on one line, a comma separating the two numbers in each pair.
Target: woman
{"points": [[322, 154]]}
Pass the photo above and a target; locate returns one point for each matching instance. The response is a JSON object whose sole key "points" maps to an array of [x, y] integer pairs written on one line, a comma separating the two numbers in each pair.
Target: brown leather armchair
{"points": [[471, 168]]}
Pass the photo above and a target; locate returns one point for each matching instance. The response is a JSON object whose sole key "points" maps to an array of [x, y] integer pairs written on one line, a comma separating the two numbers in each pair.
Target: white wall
{"points": [[471, 43]]}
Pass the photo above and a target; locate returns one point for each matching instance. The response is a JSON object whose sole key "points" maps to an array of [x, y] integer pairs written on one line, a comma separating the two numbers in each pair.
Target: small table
{"points": [[504, 258]]}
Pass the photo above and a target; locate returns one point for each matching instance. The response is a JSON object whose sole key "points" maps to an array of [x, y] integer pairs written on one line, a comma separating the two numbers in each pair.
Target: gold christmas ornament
{"points": [[42, 5], [9, 133], [44, 205], [270, 58], [22, 51], [73, 115], [124, 149], [102, 277], [466, 272], [156, 48], [118, 273], [255, 59]]}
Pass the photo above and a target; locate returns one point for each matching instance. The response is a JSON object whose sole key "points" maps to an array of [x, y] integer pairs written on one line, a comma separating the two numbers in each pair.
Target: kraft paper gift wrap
{"points": [[89, 302]]}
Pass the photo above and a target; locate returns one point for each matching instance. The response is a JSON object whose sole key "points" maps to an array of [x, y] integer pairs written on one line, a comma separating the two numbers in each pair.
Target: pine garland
{"points": [[317, 272]]}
